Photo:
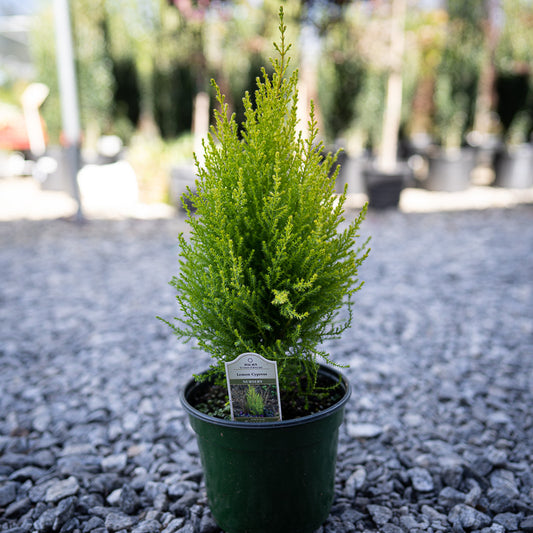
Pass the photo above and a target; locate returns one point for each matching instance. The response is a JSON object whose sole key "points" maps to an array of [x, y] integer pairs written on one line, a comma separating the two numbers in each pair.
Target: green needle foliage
{"points": [[267, 268]]}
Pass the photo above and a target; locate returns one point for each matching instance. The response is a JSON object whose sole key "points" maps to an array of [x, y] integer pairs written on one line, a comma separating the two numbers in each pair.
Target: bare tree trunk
{"points": [[308, 78], [200, 122], [423, 106], [145, 67], [486, 91], [393, 105], [486, 94]]}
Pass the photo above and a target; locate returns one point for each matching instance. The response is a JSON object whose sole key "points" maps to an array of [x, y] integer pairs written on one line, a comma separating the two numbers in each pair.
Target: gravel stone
{"points": [[495, 528], [93, 523], [114, 497], [46, 521], [380, 514], [508, 520], [474, 494], [17, 508], [421, 479], [500, 502], [71, 526], [65, 511], [504, 481], [116, 521], [449, 497], [527, 524], [28, 472], [355, 482], [176, 490], [62, 489], [147, 526], [16, 460], [391, 528], [114, 463], [128, 500], [452, 475], [8, 493], [208, 524], [187, 528], [174, 526], [468, 517], [364, 431], [438, 431], [496, 457]]}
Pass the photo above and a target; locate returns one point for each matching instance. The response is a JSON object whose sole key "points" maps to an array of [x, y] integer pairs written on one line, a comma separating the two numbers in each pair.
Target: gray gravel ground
{"points": [[439, 430]]}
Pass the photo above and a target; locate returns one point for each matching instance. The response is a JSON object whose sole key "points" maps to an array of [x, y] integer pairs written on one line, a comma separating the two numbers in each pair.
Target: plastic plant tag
{"points": [[253, 388]]}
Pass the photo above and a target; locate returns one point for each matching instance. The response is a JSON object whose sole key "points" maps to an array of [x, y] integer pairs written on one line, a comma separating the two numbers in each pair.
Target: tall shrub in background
{"points": [[514, 63], [427, 35], [462, 55], [132, 33], [95, 69], [342, 79]]}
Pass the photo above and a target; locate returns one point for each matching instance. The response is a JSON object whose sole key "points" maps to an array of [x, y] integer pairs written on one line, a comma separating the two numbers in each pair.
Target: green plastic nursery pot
{"points": [[270, 477]]}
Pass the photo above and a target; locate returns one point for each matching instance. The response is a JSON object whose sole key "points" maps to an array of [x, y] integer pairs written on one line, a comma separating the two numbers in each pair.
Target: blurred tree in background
{"points": [[132, 30], [428, 37], [94, 68], [514, 64], [343, 78], [458, 72]]}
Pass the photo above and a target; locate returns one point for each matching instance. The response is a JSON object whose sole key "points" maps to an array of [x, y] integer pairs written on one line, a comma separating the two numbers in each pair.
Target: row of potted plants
{"points": [[436, 169], [450, 71]]}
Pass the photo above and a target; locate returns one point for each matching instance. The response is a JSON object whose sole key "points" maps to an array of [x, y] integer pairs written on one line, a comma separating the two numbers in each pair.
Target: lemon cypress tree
{"points": [[270, 262]]}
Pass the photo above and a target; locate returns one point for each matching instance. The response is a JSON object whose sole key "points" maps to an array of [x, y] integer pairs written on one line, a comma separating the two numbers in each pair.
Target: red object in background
{"points": [[14, 136], [14, 130]]}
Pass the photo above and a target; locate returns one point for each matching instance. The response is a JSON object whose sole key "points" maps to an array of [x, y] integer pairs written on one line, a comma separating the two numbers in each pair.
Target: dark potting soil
{"points": [[213, 400]]}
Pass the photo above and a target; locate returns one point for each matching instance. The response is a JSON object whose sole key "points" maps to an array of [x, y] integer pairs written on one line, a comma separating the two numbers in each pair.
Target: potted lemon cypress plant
{"points": [[269, 270]]}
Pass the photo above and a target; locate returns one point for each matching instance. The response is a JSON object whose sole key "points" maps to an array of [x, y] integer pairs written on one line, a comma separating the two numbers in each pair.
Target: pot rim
{"points": [[334, 373]]}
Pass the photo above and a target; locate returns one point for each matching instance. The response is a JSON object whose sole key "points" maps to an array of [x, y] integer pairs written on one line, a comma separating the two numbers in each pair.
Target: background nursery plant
{"points": [[270, 263]]}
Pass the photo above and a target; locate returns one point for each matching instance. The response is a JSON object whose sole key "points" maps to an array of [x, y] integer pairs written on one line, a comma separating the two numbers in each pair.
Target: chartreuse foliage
{"points": [[267, 268]]}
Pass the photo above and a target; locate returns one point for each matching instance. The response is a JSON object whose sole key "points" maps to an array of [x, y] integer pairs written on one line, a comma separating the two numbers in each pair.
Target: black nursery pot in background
{"points": [[513, 167], [450, 171], [384, 188], [271, 476]]}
